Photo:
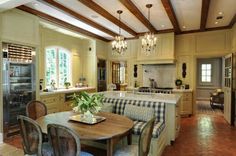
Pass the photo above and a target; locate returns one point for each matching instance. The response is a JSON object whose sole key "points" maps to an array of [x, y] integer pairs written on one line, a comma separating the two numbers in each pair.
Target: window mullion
{"points": [[57, 66]]}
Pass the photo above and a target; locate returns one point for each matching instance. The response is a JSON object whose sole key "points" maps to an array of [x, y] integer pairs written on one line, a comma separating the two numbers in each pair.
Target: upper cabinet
{"points": [[163, 53], [18, 26]]}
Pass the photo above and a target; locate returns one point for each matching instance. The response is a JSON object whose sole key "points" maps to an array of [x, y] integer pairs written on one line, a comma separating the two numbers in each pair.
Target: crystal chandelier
{"points": [[149, 40], [119, 45]]}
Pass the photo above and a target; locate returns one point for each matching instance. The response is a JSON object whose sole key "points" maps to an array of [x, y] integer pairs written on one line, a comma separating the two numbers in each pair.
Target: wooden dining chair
{"points": [[31, 134], [36, 109], [142, 149], [64, 141]]}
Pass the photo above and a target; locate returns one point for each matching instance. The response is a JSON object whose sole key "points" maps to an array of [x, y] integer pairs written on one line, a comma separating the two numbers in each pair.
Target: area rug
{"points": [[203, 107]]}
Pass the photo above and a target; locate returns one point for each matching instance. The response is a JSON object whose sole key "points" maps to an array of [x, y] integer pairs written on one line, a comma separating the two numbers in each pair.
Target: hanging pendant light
{"points": [[119, 45], [149, 40]]}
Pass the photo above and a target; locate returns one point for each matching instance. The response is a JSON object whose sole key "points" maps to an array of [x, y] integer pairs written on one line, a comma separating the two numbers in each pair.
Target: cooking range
{"points": [[164, 90]]}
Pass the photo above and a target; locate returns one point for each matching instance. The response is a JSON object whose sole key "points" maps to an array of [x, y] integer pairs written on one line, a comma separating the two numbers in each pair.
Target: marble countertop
{"points": [[182, 90], [64, 90], [167, 98]]}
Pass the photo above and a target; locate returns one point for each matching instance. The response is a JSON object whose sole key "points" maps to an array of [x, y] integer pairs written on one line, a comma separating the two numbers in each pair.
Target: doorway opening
{"points": [[119, 75], [209, 90], [101, 75]]}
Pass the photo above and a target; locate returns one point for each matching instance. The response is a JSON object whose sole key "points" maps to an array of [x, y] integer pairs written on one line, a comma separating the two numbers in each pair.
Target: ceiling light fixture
{"points": [[184, 27], [149, 40], [119, 45], [35, 4], [216, 22], [220, 13]]}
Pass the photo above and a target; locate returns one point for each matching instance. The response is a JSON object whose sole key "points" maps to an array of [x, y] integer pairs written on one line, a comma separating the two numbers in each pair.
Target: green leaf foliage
{"points": [[84, 102]]}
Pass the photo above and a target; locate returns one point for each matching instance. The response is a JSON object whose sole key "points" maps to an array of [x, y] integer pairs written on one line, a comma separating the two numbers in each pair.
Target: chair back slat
{"points": [[65, 142], [35, 109], [31, 135], [145, 138]]}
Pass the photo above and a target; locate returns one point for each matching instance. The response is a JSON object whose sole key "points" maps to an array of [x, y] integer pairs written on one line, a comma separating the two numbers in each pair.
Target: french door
{"points": [[228, 88]]}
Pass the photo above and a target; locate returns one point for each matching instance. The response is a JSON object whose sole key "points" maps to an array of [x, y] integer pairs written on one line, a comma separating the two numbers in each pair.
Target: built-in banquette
{"points": [[165, 108]]}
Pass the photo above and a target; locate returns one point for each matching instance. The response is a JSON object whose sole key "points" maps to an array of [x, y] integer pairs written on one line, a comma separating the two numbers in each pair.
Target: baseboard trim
{"points": [[1, 138]]}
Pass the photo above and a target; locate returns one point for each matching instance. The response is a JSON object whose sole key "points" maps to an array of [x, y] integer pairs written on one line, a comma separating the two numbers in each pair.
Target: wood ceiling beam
{"points": [[137, 13], [204, 13], [205, 30], [80, 17], [233, 21], [159, 32], [95, 7], [60, 22], [171, 14]]}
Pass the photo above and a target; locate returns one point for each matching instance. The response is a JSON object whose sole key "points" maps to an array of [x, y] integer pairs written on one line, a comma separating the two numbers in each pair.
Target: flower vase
{"points": [[88, 116]]}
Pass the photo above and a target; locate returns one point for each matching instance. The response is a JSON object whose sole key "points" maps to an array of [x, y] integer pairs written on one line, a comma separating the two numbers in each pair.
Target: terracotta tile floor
{"points": [[204, 135], [200, 135]]}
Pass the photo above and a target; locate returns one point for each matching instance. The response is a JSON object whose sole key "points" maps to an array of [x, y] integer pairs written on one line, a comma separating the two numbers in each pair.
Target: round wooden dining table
{"points": [[112, 129]]}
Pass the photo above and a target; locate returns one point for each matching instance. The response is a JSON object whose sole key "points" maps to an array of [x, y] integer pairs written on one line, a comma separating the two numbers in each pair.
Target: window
{"points": [[206, 73], [57, 66]]}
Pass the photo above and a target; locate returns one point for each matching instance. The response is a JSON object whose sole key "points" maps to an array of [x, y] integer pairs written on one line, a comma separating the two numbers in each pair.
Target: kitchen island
{"points": [[172, 111], [167, 98]]}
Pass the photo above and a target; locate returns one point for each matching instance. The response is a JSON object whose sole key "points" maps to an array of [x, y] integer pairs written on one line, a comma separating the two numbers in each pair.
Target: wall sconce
{"points": [[184, 67]]}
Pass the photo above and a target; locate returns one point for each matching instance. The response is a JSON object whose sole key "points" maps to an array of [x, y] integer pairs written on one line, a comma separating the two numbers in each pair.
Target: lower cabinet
{"points": [[186, 104], [53, 102], [58, 102]]}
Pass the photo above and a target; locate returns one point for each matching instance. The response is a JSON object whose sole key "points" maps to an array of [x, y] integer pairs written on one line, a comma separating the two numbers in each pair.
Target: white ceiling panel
{"points": [[60, 29], [126, 17], [60, 15], [188, 13], [76, 6], [158, 15], [9, 4], [225, 8]]}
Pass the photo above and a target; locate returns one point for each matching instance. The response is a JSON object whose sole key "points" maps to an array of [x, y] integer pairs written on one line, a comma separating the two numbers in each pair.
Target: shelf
{"points": [[20, 83], [21, 77]]}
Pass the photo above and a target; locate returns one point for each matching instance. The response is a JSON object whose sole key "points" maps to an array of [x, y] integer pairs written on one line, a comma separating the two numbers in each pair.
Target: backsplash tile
{"points": [[164, 75]]}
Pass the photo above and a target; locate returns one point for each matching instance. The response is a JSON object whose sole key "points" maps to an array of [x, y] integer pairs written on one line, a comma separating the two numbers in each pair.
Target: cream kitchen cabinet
{"points": [[53, 102], [59, 100], [173, 121], [164, 51], [186, 104]]}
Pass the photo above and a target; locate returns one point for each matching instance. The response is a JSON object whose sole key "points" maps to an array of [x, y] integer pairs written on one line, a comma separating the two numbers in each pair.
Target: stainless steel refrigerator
{"points": [[18, 84]]}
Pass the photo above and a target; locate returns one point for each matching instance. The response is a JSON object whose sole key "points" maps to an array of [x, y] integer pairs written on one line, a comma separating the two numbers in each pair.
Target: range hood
{"points": [[161, 61]]}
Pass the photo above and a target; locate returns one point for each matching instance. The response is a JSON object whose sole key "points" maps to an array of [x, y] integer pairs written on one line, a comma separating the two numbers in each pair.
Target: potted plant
{"points": [[178, 83], [87, 104], [67, 85]]}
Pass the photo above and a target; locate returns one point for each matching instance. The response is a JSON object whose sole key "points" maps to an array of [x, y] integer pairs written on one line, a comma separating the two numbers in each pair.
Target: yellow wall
{"points": [[20, 28], [164, 52], [74, 45], [189, 47], [101, 49], [234, 38]]}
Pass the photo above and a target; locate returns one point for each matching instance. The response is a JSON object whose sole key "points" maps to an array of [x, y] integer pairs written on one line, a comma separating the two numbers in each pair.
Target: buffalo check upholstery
{"points": [[159, 113]]}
